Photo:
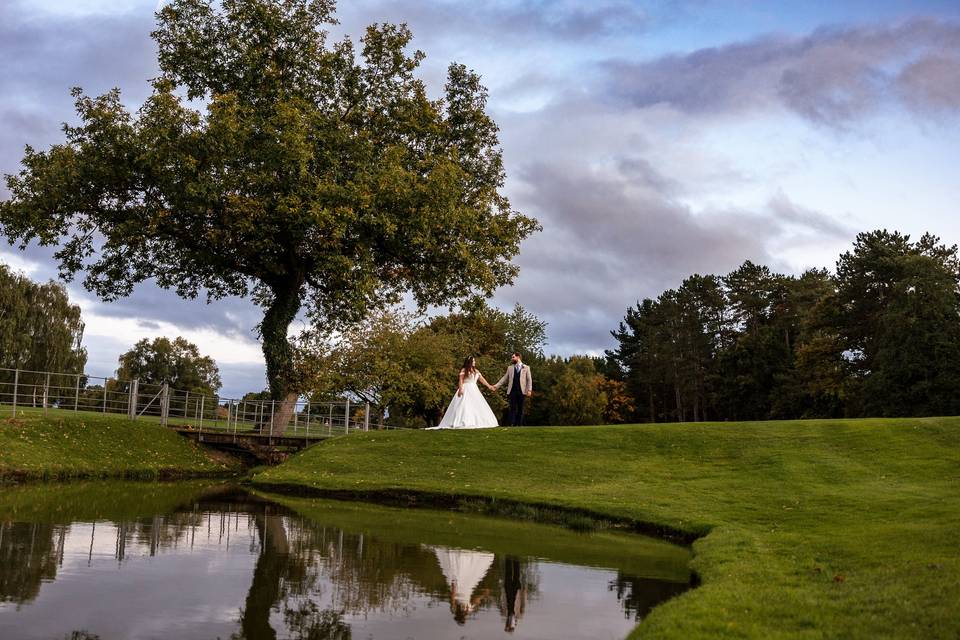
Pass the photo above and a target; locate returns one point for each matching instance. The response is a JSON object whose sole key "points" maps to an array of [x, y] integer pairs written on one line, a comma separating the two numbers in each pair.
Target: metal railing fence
{"points": [[22, 390]]}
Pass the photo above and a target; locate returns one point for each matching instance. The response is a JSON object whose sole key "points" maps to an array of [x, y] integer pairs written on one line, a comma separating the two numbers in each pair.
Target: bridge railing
{"points": [[24, 391]]}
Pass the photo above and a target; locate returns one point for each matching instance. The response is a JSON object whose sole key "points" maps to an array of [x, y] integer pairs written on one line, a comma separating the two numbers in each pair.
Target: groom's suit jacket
{"points": [[526, 379]]}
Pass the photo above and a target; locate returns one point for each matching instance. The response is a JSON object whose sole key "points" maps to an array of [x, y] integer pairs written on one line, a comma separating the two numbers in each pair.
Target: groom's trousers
{"points": [[516, 409]]}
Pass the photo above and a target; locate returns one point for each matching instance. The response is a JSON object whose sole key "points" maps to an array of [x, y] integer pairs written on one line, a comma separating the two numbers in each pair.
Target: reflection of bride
{"points": [[464, 570]]}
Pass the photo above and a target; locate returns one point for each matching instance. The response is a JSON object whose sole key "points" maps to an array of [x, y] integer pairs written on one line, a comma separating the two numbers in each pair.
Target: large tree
{"points": [[317, 175], [899, 312]]}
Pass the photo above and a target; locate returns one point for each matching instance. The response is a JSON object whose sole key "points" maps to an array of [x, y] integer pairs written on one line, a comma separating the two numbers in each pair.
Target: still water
{"points": [[209, 560]]}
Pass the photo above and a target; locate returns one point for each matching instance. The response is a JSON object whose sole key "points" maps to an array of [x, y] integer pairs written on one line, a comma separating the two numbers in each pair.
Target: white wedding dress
{"points": [[464, 570], [469, 411]]}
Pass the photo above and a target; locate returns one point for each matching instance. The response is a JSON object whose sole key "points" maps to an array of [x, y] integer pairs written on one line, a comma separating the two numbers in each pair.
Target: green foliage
{"points": [[899, 314], [177, 362], [576, 398], [391, 361], [256, 396], [492, 335], [828, 528], [39, 329], [882, 337], [318, 175]]}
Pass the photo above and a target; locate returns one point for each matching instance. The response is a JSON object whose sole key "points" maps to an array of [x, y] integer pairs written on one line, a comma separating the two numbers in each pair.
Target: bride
{"points": [[469, 409]]}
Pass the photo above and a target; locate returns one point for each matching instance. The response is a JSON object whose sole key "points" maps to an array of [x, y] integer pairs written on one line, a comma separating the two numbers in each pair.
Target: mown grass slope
{"points": [[62, 445], [811, 529]]}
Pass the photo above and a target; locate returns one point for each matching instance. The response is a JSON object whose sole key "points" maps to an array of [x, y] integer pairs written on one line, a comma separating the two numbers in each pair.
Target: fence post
{"points": [[46, 390], [76, 396], [307, 431], [202, 398], [132, 400], [105, 382], [164, 403], [16, 382], [186, 404], [330, 421], [346, 418], [366, 417]]}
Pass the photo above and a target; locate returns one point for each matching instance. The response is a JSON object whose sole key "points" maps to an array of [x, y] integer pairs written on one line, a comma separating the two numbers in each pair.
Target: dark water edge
{"points": [[206, 559], [583, 520]]}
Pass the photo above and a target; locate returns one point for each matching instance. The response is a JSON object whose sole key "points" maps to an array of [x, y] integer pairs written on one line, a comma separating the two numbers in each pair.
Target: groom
{"points": [[519, 388]]}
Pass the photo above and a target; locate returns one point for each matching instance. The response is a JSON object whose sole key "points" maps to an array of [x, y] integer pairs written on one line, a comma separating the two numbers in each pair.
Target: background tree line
{"points": [[403, 364], [406, 367], [880, 337]]}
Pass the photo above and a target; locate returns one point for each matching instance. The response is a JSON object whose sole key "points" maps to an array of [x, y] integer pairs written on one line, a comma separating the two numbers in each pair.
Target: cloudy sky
{"points": [[652, 139]]}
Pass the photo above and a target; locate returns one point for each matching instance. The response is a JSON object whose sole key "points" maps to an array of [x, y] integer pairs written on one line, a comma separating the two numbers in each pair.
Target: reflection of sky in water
{"points": [[189, 576], [195, 592]]}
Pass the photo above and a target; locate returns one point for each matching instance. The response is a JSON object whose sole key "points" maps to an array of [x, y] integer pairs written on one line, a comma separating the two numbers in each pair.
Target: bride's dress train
{"points": [[469, 411]]}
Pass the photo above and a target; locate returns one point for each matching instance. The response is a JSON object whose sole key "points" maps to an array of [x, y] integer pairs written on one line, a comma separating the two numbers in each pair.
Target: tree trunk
{"points": [[278, 354], [273, 565]]}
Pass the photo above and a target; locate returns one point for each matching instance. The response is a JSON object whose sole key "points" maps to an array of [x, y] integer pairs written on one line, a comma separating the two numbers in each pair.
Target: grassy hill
{"points": [[62, 444], [809, 529]]}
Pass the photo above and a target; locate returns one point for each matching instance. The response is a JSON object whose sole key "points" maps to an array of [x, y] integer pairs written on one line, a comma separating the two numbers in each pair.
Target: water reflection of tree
{"points": [[309, 622], [302, 563], [29, 554], [364, 574], [639, 595], [273, 566], [298, 558]]}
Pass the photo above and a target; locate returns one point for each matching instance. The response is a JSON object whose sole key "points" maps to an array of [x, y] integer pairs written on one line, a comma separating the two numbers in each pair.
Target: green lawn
{"points": [[63, 444], [811, 529]]}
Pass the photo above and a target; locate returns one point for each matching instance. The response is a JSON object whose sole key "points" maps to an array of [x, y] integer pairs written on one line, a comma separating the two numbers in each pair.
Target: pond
{"points": [[211, 560]]}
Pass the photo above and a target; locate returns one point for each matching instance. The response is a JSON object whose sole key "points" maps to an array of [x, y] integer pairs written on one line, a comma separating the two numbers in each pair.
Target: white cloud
{"points": [[225, 348], [17, 262]]}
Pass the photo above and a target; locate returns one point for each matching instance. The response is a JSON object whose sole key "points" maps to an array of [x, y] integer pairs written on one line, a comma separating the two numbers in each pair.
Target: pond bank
{"points": [[816, 528], [62, 445], [578, 519]]}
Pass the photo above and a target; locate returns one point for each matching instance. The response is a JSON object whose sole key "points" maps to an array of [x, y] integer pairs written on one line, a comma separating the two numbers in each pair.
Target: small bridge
{"points": [[262, 447]]}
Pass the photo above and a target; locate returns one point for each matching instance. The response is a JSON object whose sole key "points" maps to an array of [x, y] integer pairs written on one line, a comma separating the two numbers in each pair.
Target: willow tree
{"points": [[316, 176], [40, 330]]}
